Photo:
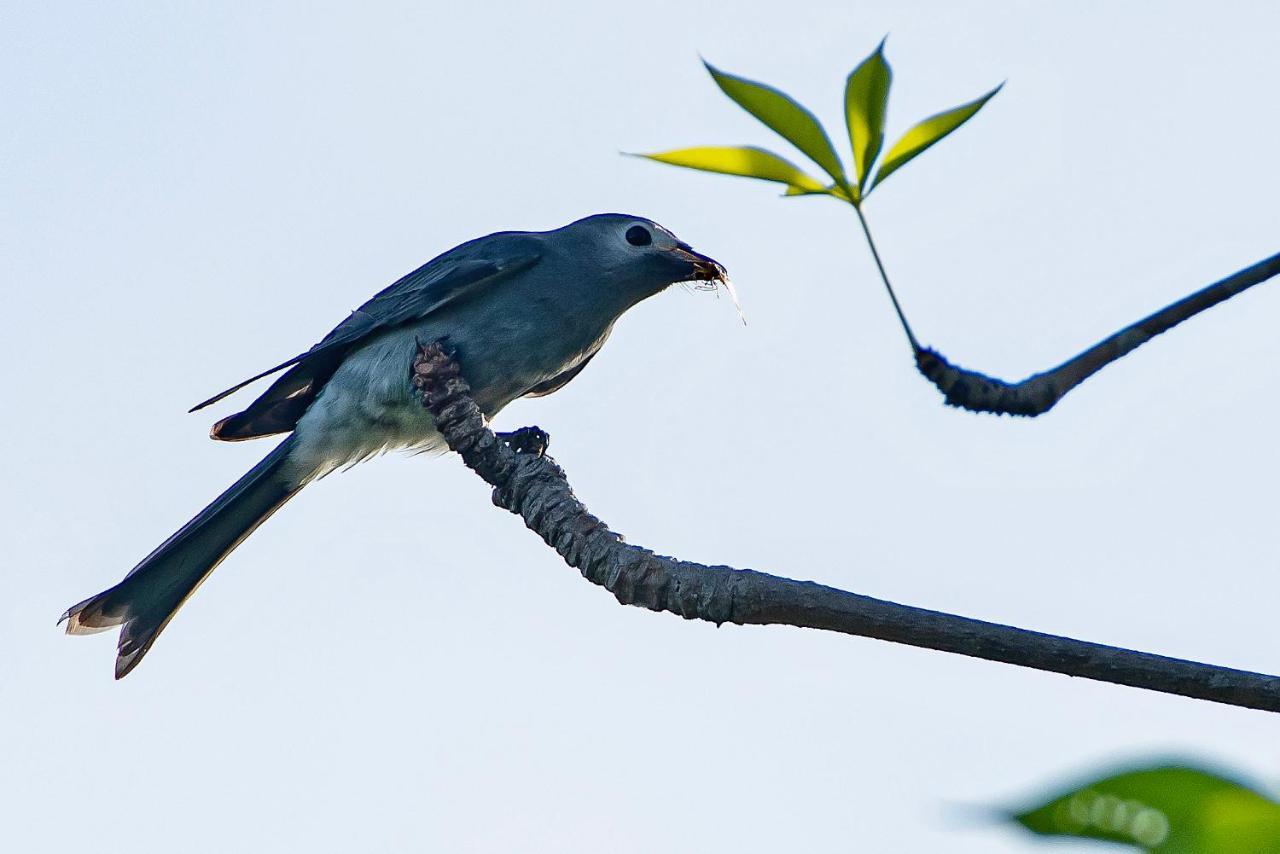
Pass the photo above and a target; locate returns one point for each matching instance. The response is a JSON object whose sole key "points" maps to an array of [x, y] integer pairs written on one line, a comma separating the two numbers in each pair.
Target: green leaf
{"points": [[829, 190], [925, 134], [866, 98], [783, 115], [1166, 809], [747, 161]]}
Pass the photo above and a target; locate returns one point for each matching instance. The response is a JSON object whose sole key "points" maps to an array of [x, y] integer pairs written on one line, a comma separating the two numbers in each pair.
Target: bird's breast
{"points": [[369, 405]]}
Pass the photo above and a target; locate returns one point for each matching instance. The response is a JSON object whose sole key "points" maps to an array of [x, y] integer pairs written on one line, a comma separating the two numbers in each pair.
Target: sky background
{"points": [[192, 192]]}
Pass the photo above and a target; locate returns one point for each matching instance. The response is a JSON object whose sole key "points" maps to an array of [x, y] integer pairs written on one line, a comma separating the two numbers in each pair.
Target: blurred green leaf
{"points": [[925, 134], [829, 190], [747, 161], [784, 116], [1168, 809], [866, 98]]}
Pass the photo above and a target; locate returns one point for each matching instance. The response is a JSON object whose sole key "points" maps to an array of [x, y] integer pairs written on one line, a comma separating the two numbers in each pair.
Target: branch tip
{"points": [[535, 488]]}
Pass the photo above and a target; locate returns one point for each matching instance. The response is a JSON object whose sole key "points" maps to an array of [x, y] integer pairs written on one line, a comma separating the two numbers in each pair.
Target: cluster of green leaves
{"points": [[1165, 809], [866, 101]]}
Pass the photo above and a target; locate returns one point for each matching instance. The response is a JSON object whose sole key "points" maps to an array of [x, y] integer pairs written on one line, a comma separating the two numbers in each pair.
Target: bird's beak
{"points": [[699, 267]]}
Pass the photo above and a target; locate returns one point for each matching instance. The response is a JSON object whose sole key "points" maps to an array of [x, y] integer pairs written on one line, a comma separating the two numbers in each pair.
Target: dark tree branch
{"points": [[1039, 392], [535, 488]]}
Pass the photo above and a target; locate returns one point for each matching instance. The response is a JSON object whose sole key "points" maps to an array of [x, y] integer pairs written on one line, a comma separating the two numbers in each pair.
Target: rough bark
{"points": [[1038, 393], [533, 486]]}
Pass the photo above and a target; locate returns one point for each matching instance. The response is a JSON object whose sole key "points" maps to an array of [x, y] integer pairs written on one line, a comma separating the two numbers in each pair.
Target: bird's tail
{"points": [[144, 602]]}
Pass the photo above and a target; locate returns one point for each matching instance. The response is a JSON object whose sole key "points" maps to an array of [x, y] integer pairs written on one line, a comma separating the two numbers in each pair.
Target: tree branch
{"points": [[535, 488], [1038, 393]]}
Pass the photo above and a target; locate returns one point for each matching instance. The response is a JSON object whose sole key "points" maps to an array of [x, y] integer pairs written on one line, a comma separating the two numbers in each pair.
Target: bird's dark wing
{"points": [[427, 289]]}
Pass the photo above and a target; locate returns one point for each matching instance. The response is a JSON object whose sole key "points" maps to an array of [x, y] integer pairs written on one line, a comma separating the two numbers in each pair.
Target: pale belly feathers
{"points": [[369, 406]]}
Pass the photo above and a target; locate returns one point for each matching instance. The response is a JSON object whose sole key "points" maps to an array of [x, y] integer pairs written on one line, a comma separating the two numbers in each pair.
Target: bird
{"points": [[522, 312]]}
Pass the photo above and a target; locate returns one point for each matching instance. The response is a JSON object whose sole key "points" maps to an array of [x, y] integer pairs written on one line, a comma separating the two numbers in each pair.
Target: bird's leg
{"points": [[527, 440]]}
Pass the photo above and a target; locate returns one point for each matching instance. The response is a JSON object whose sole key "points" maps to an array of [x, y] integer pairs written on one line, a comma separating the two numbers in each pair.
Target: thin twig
{"points": [[884, 277], [535, 488], [1038, 393]]}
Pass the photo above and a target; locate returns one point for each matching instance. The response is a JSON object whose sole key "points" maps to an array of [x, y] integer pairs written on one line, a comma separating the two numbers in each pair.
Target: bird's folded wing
{"points": [[427, 289]]}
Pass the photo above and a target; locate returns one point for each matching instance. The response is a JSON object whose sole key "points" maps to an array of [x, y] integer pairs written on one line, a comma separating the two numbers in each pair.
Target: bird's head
{"points": [[637, 258]]}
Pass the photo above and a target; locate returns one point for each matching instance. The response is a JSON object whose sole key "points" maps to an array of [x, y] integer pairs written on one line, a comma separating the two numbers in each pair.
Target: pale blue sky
{"points": [[192, 192]]}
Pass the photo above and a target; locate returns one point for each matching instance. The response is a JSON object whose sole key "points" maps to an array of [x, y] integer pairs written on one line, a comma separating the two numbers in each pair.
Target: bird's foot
{"points": [[527, 440]]}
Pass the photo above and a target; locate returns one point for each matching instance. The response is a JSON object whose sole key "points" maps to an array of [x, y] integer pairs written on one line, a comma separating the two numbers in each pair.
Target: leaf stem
{"points": [[875, 253]]}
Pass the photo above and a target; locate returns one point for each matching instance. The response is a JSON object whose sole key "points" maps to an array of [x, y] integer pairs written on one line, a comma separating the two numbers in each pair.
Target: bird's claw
{"points": [[527, 440]]}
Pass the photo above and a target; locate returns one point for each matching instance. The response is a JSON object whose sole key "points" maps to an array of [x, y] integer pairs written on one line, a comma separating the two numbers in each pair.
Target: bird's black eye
{"points": [[638, 235]]}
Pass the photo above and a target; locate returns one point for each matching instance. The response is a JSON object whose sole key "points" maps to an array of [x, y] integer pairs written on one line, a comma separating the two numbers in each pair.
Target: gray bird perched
{"points": [[524, 311]]}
